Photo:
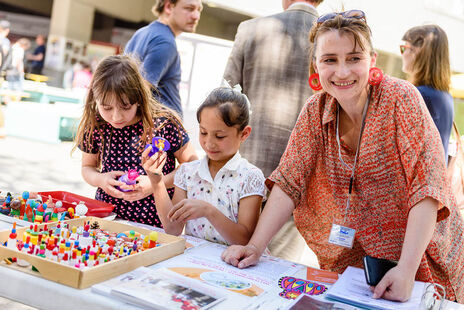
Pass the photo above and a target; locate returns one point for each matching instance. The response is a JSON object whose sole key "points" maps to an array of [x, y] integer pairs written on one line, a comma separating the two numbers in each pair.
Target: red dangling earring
{"points": [[375, 76], [314, 82]]}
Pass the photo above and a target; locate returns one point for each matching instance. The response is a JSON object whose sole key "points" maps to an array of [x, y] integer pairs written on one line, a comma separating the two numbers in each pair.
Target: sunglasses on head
{"points": [[356, 14]]}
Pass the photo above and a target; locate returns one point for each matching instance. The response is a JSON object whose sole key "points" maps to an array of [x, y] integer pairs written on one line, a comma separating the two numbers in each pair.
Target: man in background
{"points": [[155, 46], [37, 58], [270, 60], [4, 44]]}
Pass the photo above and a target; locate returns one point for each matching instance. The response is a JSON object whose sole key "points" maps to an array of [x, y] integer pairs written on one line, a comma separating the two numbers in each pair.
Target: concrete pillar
{"points": [[71, 27], [72, 19]]}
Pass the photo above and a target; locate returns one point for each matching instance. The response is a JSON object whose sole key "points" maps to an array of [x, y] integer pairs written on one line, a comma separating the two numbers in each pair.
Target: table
{"points": [[44, 294]]}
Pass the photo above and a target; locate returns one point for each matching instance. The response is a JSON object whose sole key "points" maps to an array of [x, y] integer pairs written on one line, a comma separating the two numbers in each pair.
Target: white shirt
{"points": [[302, 2], [237, 179], [17, 58]]}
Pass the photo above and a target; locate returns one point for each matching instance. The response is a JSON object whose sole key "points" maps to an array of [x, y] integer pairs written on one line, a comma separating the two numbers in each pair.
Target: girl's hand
{"points": [[138, 191], [241, 256], [189, 209], [109, 181], [396, 285], [153, 166]]}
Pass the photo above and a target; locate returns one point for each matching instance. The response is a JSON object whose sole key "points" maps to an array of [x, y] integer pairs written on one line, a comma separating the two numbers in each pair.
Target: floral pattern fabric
{"points": [[400, 163], [236, 180]]}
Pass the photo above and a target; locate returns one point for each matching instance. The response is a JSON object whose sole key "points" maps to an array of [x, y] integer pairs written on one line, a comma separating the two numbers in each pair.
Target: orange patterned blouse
{"points": [[400, 163]]}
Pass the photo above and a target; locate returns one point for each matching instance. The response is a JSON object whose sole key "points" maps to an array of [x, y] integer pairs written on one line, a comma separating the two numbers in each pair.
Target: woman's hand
{"points": [[153, 165], [189, 209], [138, 191], [396, 285], [241, 256], [109, 181]]}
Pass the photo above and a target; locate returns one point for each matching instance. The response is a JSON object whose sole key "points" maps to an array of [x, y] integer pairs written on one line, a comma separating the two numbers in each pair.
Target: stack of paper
{"points": [[352, 288]]}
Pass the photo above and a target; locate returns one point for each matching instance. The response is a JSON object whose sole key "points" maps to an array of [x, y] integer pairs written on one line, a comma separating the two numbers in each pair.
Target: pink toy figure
{"points": [[129, 178]]}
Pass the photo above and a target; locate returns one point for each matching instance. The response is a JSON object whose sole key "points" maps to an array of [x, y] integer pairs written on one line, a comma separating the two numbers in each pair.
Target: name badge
{"points": [[342, 236]]}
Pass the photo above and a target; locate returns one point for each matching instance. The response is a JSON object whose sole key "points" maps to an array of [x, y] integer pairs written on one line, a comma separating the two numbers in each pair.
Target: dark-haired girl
{"points": [[217, 198]]}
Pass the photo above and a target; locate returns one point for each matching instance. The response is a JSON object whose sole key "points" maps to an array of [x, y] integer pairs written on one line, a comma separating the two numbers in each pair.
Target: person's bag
{"points": [[455, 170]]}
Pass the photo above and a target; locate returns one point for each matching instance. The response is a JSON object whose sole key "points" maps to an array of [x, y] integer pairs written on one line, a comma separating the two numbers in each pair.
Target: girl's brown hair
{"points": [[431, 65], [358, 28], [119, 76]]}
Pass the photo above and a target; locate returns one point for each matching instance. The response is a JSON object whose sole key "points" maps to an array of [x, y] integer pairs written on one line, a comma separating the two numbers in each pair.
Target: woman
{"points": [[426, 61], [364, 158]]}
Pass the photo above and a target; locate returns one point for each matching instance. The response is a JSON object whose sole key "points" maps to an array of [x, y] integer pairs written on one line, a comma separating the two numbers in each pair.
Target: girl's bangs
{"points": [[118, 93]]}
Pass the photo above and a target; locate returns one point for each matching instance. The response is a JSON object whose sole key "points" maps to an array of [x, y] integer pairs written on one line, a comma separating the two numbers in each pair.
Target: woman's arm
{"points": [[185, 154], [277, 210], [398, 283], [106, 181]]}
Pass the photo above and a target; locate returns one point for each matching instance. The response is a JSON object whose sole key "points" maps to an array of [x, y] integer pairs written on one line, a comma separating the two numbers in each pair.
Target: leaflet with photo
{"points": [[164, 289]]}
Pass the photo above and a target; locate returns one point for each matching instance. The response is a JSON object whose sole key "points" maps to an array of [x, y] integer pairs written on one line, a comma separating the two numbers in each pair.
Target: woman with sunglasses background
{"points": [[426, 61], [364, 172]]}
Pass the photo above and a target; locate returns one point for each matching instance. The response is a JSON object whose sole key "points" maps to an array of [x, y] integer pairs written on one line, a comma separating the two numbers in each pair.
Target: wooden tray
{"points": [[67, 275]]}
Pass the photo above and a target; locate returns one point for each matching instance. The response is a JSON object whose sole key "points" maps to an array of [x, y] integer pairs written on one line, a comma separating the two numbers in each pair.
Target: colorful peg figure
{"points": [[158, 144], [152, 237]]}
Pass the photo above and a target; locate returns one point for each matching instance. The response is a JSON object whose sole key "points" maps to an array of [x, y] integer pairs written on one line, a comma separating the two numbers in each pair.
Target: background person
{"points": [[155, 46], [5, 44], [82, 77], [120, 118], [37, 58], [4, 50], [217, 198], [15, 73], [426, 61], [364, 155], [269, 60]]}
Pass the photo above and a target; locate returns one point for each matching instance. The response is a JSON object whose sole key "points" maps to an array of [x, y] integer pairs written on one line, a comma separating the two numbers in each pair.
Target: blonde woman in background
{"points": [[426, 61]]}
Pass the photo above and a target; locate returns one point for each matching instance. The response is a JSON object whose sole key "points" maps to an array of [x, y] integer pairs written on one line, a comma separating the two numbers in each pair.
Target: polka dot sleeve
{"points": [[175, 134]]}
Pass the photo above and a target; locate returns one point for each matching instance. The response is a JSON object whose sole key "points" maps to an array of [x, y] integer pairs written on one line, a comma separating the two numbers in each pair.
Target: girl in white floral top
{"points": [[217, 198]]}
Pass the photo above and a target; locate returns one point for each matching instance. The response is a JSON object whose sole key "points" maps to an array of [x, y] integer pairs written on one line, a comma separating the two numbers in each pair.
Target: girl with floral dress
{"points": [[217, 198], [120, 118]]}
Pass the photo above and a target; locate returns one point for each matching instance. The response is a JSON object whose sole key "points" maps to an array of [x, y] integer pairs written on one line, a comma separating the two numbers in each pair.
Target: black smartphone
{"points": [[376, 268]]}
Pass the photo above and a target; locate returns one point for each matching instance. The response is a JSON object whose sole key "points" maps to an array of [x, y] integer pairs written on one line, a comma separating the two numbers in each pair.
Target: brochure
{"points": [[164, 289], [160, 289], [319, 275], [104, 288], [205, 264]]}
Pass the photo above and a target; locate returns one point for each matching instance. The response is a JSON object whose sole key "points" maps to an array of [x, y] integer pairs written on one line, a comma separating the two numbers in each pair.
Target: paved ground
{"points": [[37, 166]]}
